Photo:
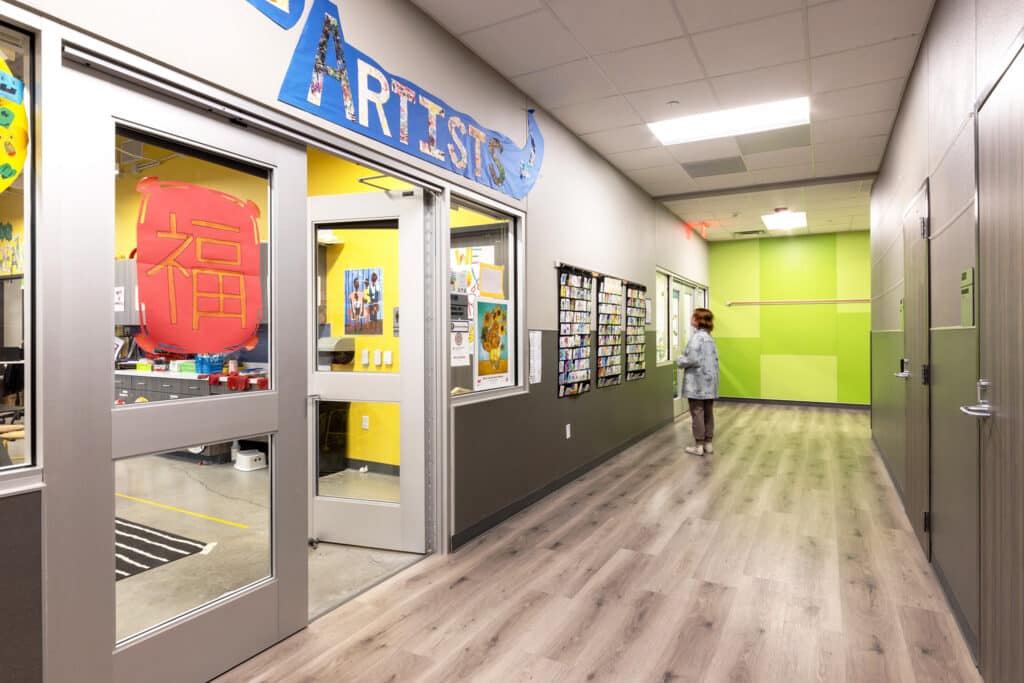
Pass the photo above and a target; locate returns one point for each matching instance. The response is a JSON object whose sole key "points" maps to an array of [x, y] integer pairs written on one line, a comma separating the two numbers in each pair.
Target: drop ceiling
{"points": [[606, 68]]}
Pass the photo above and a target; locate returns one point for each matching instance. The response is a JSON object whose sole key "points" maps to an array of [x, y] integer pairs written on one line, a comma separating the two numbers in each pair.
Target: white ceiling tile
{"points": [[860, 100], [704, 150], [652, 66], [641, 158], [663, 180], [781, 82], [610, 26], [757, 44], [846, 167], [783, 174], [855, 148], [459, 16], [661, 188], [719, 182], [622, 139], [501, 45], [846, 24], [882, 62], [693, 98], [595, 115], [862, 125], [702, 15], [794, 156], [567, 84]]}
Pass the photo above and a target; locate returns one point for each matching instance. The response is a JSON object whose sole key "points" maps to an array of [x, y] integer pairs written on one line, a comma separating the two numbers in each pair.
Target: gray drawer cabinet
{"points": [[157, 388]]}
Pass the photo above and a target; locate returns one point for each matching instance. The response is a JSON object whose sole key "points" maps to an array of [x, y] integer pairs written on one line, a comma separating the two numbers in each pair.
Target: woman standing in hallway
{"points": [[700, 380]]}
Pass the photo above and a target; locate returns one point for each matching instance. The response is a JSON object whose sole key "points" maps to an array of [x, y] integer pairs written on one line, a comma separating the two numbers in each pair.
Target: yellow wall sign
{"points": [[13, 127]]}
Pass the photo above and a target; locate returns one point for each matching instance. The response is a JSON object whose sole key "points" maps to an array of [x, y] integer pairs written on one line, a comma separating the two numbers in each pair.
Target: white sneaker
{"points": [[707, 448], [694, 450]]}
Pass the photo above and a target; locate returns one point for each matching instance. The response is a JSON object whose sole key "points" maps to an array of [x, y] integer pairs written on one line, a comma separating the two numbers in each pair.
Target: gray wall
{"points": [[21, 573], [513, 451]]}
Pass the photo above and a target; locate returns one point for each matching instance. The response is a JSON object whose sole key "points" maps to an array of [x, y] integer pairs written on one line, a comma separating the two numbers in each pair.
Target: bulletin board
{"points": [[575, 312]]}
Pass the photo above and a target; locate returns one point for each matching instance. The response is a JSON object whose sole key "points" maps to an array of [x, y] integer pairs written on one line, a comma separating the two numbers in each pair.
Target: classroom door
{"points": [[1000, 392], [681, 298], [368, 384], [916, 371], [167, 560]]}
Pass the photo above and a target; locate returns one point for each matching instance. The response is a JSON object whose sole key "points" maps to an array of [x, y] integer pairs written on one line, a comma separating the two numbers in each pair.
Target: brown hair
{"points": [[705, 319]]}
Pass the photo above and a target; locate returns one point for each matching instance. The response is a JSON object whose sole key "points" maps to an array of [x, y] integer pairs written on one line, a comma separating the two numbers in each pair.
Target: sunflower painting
{"points": [[492, 343]]}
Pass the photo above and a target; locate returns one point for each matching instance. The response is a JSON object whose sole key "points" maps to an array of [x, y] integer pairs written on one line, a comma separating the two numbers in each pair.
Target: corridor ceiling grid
{"points": [[606, 68]]}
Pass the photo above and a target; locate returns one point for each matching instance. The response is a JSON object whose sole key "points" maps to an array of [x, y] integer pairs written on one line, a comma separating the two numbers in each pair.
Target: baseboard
{"points": [[378, 467], [463, 537], [799, 404]]}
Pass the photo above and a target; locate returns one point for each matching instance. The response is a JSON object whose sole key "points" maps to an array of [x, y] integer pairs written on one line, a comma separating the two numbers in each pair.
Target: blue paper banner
{"points": [[333, 80], [284, 13]]}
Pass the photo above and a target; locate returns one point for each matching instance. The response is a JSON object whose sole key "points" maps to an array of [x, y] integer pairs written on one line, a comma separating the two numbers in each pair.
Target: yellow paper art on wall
{"points": [[13, 127]]}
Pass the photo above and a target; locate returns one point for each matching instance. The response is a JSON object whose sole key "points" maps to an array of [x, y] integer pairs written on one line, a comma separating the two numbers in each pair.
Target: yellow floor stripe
{"points": [[184, 512]]}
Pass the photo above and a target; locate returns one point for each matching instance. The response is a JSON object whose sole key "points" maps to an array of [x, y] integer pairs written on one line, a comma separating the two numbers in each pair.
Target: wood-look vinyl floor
{"points": [[785, 556]]}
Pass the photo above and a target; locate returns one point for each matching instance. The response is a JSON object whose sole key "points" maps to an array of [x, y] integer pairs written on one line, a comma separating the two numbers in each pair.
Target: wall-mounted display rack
{"points": [[636, 331], [575, 312], [609, 332]]}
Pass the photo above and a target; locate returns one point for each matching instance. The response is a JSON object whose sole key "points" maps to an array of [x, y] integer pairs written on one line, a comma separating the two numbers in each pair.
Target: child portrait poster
{"points": [[493, 345], [364, 301]]}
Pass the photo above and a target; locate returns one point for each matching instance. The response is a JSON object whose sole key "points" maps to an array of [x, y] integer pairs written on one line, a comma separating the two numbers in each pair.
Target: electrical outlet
{"points": [[568, 431], [366, 421]]}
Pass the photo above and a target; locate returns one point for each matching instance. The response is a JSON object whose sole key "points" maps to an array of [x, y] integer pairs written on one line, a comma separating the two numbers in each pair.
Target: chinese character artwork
{"points": [[364, 301], [198, 269]]}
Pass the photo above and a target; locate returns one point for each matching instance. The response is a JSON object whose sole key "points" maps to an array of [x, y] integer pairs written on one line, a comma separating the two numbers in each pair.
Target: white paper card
{"points": [[460, 349], [536, 337], [118, 299]]}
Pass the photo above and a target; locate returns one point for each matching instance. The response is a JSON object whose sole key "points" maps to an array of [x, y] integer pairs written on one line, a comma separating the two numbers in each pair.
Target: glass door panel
{"points": [[368, 377]]}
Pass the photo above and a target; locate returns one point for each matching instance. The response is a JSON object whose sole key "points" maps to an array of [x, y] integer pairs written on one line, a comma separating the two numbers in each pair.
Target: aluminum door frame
{"points": [[77, 231], [395, 526]]}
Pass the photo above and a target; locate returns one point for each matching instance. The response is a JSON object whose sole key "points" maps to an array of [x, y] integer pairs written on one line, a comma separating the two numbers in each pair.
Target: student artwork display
{"points": [[364, 297], [198, 268], [331, 79], [609, 332], [13, 127], [575, 306], [12, 252], [636, 332], [491, 369]]}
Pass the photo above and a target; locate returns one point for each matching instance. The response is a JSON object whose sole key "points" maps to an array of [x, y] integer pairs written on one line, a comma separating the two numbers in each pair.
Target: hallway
{"points": [[786, 556]]}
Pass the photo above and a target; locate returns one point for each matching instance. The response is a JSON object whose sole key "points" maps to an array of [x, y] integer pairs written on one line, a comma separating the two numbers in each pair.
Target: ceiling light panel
{"points": [[730, 122], [785, 220]]}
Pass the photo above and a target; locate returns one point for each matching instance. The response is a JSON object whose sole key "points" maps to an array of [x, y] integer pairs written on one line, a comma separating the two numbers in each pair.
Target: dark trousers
{"points": [[702, 414]]}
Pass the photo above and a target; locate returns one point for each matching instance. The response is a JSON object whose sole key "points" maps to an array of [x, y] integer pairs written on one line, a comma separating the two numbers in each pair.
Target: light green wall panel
{"points": [[854, 357], [799, 378], [738, 264], [739, 363], [798, 267], [799, 330], [853, 270]]}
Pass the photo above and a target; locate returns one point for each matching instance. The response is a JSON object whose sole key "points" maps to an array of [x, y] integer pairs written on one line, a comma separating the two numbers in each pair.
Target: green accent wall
{"points": [[811, 352]]}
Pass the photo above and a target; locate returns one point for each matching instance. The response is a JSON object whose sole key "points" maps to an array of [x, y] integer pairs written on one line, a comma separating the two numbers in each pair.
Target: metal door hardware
{"points": [[926, 374], [983, 408], [904, 373], [927, 524]]}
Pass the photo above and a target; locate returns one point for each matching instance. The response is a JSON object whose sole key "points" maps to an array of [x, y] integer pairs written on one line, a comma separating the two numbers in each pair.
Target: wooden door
{"points": [[916, 323], [1001, 257]]}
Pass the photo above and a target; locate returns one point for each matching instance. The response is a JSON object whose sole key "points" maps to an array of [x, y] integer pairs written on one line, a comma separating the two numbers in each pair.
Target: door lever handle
{"points": [[902, 375], [981, 411]]}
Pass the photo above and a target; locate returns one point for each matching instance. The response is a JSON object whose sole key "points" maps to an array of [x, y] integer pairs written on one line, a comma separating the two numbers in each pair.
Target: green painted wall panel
{"points": [[817, 352], [737, 263], [740, 364]]}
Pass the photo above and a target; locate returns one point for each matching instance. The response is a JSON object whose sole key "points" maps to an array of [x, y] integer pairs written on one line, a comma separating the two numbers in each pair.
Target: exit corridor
{"points": [[785, 556]]}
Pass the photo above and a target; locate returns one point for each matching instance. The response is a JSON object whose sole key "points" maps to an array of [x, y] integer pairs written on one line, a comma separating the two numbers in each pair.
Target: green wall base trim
{"points": [[797, 404]]}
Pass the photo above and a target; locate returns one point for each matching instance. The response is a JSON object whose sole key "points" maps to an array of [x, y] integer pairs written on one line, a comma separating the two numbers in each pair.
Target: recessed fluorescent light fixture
{"points": [[785, 220], [729, 122]]}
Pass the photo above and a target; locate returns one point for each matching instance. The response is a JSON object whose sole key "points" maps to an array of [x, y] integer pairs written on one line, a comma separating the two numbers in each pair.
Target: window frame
{"points": [[665, 315], [27, 476], [517, 301]]}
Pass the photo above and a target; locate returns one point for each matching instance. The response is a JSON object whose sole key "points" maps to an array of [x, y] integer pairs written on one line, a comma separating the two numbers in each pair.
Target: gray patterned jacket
{"points": [[700, 366]]}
